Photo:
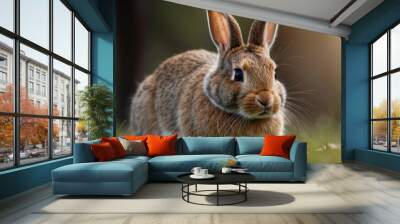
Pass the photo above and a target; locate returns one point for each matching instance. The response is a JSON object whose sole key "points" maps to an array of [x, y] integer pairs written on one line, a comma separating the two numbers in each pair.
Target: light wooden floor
{"points": [[379, 189]]}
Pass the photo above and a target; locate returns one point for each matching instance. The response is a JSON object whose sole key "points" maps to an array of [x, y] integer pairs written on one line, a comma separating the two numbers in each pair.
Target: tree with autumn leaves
{"points": [[33, 131], [6, 122], [396, 124], [380, 127]]}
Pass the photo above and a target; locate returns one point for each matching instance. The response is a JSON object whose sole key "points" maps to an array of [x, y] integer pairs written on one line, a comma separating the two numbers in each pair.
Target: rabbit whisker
{"points": [[300, 103], [303, 115]]}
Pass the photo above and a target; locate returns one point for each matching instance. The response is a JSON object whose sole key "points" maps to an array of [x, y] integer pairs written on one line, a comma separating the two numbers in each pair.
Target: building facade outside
{"points": [[34, 99]]}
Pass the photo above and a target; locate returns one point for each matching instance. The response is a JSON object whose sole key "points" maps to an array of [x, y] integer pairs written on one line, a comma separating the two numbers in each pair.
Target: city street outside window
{"points": [[45, 117]]}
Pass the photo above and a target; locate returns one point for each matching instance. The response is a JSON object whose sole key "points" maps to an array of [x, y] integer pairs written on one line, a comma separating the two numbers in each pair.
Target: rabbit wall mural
{"points": [[234, 92], [195, 72]]}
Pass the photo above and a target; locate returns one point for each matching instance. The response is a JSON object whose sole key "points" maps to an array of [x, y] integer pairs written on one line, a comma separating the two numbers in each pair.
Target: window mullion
{"points": [[389, 112], [50, 81], [73, 82], [371, 123], [88, 56], [16, 70], [371, 89]]}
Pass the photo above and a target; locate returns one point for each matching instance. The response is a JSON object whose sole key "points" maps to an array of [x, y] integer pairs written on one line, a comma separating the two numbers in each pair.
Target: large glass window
{"points": [[81, 45], [385, 91], [62, 137], [62, 30], [6, 142], [379, 97], [62, 91], [35, 21], [6, 74], [395, 47], [40, 62], [379, 56], [41, 123], [7, 14], [81, 81], [33, 140]]}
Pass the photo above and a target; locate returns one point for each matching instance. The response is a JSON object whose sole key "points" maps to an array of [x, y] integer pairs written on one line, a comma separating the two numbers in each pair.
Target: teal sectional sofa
{"points": [[125, 176]]}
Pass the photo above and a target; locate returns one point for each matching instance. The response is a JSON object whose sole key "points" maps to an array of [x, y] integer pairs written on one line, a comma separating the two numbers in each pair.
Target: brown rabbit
{"points": [[199, 93]]}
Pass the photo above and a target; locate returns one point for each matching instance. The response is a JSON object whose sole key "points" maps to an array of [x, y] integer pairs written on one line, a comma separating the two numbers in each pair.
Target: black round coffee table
{"points": [[238, 179]]}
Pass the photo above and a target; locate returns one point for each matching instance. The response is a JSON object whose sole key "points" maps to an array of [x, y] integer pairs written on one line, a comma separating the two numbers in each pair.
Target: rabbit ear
{"points": [[224, 30], [262, 34]]}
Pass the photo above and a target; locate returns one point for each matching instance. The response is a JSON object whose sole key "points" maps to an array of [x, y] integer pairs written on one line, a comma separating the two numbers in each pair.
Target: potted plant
{"points": [[96, 104]]}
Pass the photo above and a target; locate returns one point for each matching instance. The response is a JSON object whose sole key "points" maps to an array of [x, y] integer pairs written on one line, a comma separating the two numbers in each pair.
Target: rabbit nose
{"points": [[264, 101]]}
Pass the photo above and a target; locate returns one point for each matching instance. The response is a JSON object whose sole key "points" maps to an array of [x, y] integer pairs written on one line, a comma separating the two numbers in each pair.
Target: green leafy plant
{"points": [[96, 104]]}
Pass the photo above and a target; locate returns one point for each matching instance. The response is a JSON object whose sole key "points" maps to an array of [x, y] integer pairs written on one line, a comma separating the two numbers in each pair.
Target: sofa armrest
{"points": [[83, 152], [298, 155]]}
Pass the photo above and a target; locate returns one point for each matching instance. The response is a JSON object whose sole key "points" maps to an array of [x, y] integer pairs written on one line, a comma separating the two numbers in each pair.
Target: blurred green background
{"points": [[308, 64]]}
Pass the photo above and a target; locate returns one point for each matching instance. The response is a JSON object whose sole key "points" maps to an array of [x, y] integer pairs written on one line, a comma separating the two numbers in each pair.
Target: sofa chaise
{"points": [[125, 176]]}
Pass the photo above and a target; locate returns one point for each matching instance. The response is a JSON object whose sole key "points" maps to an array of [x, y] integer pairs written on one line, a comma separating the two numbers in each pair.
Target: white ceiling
{"points": [[320, 9], [333, 17]]}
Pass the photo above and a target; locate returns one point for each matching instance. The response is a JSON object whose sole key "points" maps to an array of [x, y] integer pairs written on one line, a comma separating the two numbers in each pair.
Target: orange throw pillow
{"points": [[116, 145], [161, 145], [277, 146], [103, 152]]}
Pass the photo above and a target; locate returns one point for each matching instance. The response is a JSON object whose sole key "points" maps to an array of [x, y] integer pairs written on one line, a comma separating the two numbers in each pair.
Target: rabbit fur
{"points": [[230, 93]]}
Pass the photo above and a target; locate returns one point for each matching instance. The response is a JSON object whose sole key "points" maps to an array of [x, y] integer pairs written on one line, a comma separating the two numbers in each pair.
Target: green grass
{"points": [[323, 140], [331, 156]]}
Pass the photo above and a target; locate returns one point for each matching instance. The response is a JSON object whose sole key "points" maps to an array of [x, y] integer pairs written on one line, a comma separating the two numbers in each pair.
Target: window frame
{"points": [[388, 74], [16, 115]]}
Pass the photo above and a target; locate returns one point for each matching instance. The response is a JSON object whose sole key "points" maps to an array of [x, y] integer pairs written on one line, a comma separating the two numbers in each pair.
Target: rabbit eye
{"points": [[237, 75]]}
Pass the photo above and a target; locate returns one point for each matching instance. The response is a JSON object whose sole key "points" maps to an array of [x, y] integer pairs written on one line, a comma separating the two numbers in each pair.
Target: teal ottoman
{"points": [[118, 177]]}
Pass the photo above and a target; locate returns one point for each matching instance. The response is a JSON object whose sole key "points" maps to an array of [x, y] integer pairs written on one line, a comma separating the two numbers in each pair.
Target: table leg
{"points": [[217, 194], [245, 193], [188, 190], [195, 188], [182, 190]]}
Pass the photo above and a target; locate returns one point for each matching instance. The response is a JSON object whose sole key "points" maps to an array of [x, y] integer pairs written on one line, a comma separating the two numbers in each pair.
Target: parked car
{"points": [[36, 154], [25, 154], [10, 156], [57, 152]]}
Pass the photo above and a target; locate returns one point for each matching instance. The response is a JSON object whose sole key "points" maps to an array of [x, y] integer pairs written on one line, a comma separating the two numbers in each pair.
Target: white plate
{"points": [[208, 176]]}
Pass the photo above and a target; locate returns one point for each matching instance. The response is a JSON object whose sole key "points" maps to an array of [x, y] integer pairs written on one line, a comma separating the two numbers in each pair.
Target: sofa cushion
{"points": [[133, 158], [112, 171], [206, 145], [185, 163], [249, 145], [257, 163]]}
